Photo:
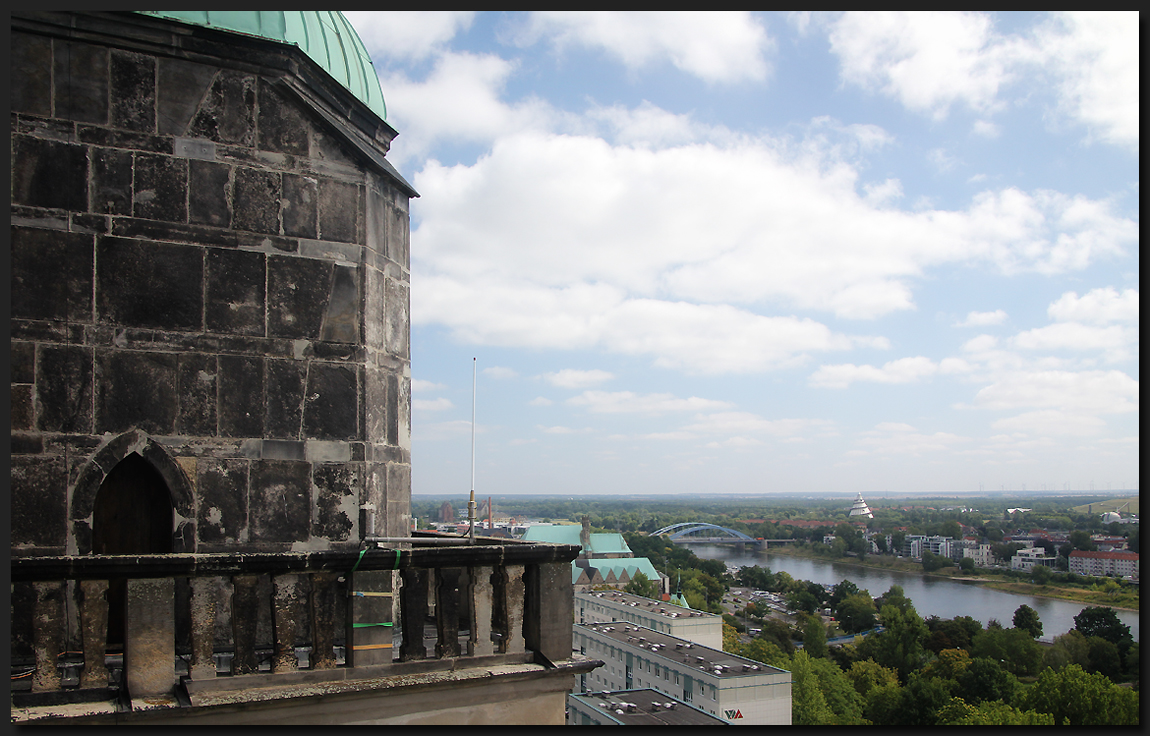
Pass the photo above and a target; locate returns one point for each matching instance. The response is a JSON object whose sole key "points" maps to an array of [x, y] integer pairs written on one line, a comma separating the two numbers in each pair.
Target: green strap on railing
{"points": [[362, 552]]}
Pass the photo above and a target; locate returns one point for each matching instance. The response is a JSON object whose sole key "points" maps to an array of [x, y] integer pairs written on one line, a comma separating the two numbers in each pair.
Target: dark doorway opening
{"points": [[133, 515]]}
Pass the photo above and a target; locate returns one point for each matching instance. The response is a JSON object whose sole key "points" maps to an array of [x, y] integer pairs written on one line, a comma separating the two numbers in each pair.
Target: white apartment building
{"points": [[736, 689], [980, 553], [685, 623], [1122, 564], [1027, 558]]}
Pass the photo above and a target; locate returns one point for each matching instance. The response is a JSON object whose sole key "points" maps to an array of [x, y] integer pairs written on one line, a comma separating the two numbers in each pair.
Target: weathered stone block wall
{"points": [[199, 259]]}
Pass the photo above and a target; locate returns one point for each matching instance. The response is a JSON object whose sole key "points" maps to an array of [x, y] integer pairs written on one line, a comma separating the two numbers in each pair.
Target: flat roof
{"points": [[686, 654], [647, 605], [646, 707]]}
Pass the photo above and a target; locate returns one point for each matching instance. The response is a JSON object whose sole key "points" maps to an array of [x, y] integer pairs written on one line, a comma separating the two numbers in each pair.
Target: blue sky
{"points": [[754, 253]]}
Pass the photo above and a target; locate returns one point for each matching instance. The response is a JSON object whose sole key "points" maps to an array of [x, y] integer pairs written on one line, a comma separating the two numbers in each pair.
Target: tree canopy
{"points": [[1026, 618]]}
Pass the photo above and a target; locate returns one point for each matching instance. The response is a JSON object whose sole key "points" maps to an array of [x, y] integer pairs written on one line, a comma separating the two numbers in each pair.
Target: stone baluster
{"points": [[288, 607], [203, 609], [510, 594], [245, 614], [48, 634], [550, 610], [413, 610], [323, 593], [482, 600], [94, 632], [150, 637], [447, 612]]}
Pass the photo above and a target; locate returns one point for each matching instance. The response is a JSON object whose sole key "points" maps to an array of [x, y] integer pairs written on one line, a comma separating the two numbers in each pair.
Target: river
{"points": [[931, 596]]}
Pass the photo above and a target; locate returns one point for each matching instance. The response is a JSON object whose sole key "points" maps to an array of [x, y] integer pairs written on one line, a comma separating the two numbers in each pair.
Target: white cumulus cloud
{"points": [[627, 402], [407, 34], [982, 319], [716, 47], [572, 378]]}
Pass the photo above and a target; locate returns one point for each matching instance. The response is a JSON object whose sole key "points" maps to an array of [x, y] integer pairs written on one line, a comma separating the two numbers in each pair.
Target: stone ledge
{"points": [[229, 705]]}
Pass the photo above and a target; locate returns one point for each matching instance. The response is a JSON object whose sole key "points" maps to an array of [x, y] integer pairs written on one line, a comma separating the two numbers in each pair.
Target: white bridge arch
{"points": [[693, 531]]}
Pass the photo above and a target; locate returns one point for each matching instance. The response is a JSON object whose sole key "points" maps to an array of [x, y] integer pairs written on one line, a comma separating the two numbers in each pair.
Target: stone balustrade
{"points": [[414, 607]]}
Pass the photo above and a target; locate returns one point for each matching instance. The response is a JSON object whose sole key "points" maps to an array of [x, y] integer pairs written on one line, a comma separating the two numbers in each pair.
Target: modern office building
{"points": [[699, 627], [727, 686]]}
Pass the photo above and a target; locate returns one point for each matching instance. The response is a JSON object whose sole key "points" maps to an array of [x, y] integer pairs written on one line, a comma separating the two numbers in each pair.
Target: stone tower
{"points": [[209, 250]]}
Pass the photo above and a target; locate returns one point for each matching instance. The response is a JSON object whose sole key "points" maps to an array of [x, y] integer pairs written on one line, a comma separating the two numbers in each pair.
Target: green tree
{"points": [[756, 577], [932, 562], [1104, 657], [815, 638], [894, 597], [1003, 551], [884, 705], [1078, 698], [868, 674], [1040, 574], [767, 652], [1026, 618], [1081, 540], [1015, 648], [856, 613], [985, 679], [840, 695], [808, 706], [951, 529], [955, 633], [922, 698], [949, 665], [966, 564], [778, 633], [731, 642], [1104, 622], [1069, 648], [992, 713], [840, 591], [802, 600], [641, 585], [900, 646]]}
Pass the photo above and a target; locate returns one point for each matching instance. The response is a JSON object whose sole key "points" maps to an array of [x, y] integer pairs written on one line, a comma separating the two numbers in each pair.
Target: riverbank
{"points": [[1128, 602]]}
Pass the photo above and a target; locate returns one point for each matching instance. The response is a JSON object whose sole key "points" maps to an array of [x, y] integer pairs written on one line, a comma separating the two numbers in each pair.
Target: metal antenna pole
{"points": [[471, 503]]}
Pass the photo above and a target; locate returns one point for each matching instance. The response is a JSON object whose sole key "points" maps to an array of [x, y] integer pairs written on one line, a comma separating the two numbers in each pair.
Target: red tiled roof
{"points": [[1105, 555]]}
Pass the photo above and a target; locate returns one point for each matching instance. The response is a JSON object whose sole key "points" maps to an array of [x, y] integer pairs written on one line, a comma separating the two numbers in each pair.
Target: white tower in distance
{"points": [[859, 508]]}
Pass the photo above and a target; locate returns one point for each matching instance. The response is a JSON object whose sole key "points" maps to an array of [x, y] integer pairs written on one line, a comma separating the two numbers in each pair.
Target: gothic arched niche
{"points": [[132, 515]]}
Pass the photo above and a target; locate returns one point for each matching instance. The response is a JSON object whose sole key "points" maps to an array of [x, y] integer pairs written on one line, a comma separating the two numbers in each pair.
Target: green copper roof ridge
{"points": [[355, 75]]}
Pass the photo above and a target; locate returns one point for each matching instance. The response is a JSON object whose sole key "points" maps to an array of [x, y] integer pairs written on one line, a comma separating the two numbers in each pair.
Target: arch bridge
{"points": [[692, 532]]}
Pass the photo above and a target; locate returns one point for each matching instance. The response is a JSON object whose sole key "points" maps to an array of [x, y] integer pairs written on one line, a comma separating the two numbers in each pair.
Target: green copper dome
{"points": [[324, 35]]}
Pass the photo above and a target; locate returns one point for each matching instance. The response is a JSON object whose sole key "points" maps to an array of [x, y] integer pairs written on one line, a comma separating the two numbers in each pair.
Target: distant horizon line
{"points": [[800, 494]]}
